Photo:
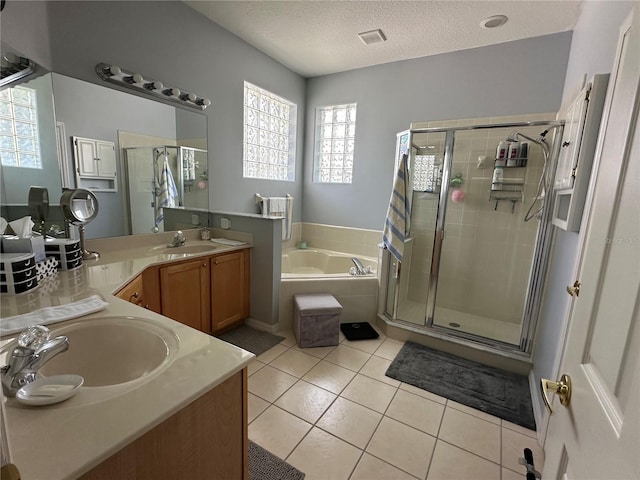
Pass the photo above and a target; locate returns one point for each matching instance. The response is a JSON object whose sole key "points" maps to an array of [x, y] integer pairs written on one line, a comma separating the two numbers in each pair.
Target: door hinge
{"points": [[574, 290]]}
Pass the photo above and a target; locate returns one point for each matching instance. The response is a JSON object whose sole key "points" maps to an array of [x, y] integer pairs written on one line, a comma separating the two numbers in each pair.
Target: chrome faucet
{"points": [[360, 270], [178, 240], [25, 361]]}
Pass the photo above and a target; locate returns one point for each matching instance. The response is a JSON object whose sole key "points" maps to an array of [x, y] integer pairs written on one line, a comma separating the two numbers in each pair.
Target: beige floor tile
{"points": [[511, 475], [254, 366], [256, 406], [278, 431], [372, 468], [306, 401], [513, 445], [368, 346], [272, 353], [474, 412], [318, 352], [289, 338], [376, 367], [323, 456], [471, 433], [329, 376], [369, 393], [348, 357], [350, 422], [294, 362], [403, 447], [451, 462], [423, 393], [416, 411], [389, 349], [269, 383]]}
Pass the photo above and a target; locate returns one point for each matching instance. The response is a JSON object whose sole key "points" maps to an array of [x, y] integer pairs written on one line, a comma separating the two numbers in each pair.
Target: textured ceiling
{"points": [[319, 37]]}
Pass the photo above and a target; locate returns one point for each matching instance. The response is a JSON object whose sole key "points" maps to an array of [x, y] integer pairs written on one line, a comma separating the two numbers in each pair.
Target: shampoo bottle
{"points": [[514, 154], [502, 153], [498, 175]]}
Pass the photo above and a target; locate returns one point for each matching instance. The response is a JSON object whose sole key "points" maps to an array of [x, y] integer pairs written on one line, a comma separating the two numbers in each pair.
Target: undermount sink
{"points": [[113, 350], [188, 248]]}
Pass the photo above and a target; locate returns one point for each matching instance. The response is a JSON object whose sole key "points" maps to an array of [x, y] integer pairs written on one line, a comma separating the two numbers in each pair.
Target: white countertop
{"points": [[65, 440]]}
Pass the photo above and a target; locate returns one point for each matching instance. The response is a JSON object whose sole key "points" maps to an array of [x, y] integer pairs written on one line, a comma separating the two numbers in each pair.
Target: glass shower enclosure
{"points": [[143, 182], [472, 266]]}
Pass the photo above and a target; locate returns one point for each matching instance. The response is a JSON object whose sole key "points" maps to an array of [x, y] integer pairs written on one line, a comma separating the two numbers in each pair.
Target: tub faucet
{"points": [[25, 361], [359, 266], [178, 240]]}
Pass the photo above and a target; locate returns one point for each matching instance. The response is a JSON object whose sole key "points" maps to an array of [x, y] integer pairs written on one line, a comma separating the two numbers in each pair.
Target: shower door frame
{"points": [[540, 253]]}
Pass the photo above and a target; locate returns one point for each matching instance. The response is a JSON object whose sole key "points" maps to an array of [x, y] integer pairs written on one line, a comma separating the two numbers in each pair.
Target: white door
{"points": [[106, 157], [597, 435]]}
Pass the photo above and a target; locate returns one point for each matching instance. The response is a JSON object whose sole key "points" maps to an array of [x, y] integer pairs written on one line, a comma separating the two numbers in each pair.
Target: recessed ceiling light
{"points": [[494, 21], [372, 36]]}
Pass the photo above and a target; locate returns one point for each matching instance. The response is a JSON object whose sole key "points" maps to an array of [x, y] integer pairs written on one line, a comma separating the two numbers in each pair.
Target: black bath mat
{"points": [[497, 392], [251, 339], [358, 331], [264, 465]]}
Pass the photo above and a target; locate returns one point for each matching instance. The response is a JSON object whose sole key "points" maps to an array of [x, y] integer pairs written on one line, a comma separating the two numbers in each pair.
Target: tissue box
{"points": [[35, 245]]}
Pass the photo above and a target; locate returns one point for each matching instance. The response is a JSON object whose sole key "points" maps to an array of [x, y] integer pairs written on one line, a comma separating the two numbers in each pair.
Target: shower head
{"points": [[513, 137]]}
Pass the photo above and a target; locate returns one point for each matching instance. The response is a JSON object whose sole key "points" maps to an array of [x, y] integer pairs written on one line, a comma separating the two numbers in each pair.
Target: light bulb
{"points": [[135, 78], [205, 102], [112, 70], [188, 97], [172, 92], [154, 85]]}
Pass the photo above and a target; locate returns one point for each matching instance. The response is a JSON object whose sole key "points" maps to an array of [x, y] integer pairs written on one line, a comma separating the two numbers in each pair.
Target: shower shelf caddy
{"points": [[512, 190]]}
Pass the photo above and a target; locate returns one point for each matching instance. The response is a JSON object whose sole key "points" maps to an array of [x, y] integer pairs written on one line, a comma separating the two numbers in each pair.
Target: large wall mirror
{"points": [[149, 138]]}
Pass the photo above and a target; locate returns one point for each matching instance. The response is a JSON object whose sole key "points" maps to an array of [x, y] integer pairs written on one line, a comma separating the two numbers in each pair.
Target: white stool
{"points": [[317, 320]]}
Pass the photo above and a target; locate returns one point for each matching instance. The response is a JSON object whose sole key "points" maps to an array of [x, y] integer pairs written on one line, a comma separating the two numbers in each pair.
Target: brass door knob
{"points": [[561, 388]]}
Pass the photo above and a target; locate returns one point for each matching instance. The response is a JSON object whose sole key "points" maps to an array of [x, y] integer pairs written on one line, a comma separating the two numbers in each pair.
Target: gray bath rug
{"points": [[251, 339], [264, 465], [497, 392]]}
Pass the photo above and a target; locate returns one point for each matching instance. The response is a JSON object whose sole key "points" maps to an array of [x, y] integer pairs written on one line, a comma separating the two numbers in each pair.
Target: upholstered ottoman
{"points": [[316, 320]]}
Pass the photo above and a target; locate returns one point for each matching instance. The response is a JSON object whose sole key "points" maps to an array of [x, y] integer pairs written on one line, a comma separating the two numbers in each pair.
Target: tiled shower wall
{"points": [[487, 251], [356, 241]]}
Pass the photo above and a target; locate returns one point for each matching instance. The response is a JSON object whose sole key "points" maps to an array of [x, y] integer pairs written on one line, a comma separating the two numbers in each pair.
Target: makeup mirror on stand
{"points": [[80, 207]]}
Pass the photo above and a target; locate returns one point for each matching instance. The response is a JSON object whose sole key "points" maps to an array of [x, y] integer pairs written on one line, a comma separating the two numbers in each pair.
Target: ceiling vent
{"points": [[372, 36]]}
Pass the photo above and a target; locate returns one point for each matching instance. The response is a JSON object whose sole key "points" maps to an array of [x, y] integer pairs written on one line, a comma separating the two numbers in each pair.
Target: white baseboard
{"points": [[258, 325]]}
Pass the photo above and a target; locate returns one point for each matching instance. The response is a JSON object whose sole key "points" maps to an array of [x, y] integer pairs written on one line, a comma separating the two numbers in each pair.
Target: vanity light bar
{"points": [[154, 88], [14, 67]]}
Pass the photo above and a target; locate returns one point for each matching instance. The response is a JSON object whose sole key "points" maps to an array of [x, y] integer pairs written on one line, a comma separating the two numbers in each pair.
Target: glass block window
{"points": [[19, 145], [269, 135], [425, 173], [335, 140]]}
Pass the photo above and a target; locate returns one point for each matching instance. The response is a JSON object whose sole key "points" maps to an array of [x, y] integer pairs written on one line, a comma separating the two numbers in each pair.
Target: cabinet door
{"points": [[184, 291], [133, 292], [229, 289], [571, 139], [106, 159], [86, 154]]}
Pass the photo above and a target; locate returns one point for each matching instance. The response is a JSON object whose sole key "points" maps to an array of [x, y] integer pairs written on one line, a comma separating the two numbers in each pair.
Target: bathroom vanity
{"points": [[209, 293], [186, 418]]}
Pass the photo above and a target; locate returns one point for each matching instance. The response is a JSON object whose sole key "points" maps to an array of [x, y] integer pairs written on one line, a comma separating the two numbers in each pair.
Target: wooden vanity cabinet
{"points": [[184, 293], [208, 293], [143, 290], [206, 439], [230, 275]]}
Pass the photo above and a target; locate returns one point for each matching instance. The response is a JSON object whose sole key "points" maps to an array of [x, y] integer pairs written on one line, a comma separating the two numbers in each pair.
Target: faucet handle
{"points": [[34, 337]]}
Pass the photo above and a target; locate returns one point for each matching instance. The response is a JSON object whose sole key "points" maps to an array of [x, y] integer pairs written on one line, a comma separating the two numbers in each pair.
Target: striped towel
{"points": [[396, 226], [168, 192], [280, 207]]}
